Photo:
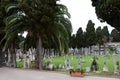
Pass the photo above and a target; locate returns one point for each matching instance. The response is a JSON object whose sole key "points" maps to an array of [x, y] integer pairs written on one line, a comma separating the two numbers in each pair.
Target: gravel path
{"points": [[23, 74]]}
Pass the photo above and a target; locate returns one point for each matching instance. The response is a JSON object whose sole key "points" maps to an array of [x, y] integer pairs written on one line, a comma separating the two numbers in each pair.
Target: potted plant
{"points": [[77, 72]]}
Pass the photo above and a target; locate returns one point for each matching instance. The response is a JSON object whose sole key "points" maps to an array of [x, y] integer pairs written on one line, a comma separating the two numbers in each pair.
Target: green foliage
{"points": [[71, 70], [79, 38], [99, 36], [20, 64], [74, 62], [108, 10], [115, 34], [90, 33], [88, 60], [85, 39], [80, 70], [105, 33], [46, 21], [43, 17], [73, 41], [49, 22], [77, 70], [111, 50], [47, 62]]}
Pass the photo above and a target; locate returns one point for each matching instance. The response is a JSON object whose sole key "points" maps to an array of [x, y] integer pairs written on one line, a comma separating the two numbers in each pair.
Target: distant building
{"points": [[115, 45]]}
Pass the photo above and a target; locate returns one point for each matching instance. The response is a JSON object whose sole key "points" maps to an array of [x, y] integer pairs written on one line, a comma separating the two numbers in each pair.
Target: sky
{"points": [[81, 12]]}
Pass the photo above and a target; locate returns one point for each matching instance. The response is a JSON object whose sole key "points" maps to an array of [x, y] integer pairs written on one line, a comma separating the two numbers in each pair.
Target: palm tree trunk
{"points": [[9, 58], [14, 60], [13, 54], [39, 53], [1, 57]]}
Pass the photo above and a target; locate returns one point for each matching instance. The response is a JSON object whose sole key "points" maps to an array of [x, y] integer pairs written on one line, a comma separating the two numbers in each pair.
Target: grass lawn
{"points": [[86, 61]]}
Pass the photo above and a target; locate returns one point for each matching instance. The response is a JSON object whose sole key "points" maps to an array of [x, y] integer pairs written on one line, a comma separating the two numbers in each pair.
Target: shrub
{"points": [[82, 71], [77, 70], [71, 70]]}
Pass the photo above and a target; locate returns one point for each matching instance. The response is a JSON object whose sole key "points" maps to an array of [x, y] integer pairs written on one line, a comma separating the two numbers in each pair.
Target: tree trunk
{"points": [[2, 57], [104, 48], [99, 49], [60, 54], [9, 58], [39, 53], [89, 50], [13, 55], [83, 51]]}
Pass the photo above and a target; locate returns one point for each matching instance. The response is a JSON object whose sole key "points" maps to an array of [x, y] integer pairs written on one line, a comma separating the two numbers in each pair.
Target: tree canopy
{"points": [[109, 11], [105, 33], [99, 36], [90, 33], [115, 34], [79, 38], [44, 20]]}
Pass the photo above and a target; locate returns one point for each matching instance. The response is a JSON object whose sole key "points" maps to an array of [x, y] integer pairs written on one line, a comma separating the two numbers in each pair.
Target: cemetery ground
{"points": [[85, 61], [29, 74]]}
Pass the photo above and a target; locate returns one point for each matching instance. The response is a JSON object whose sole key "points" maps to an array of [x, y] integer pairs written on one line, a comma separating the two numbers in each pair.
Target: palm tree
{"points": [[40, 19], [9, 11], [2, 33], [2, 25]]}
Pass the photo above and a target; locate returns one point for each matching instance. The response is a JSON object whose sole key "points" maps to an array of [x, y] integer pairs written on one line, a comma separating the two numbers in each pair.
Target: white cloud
{"points": [[81, 11]]}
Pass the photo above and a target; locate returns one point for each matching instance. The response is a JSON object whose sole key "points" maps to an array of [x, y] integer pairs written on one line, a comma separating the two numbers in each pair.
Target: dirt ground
{"points": [[28, 74]]}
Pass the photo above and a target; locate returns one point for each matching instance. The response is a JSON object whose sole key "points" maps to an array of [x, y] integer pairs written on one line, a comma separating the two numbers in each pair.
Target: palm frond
{"points": [[10, 7], [63, 10]]}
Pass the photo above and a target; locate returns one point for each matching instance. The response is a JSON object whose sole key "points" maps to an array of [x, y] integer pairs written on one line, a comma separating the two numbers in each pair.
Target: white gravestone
{"points": [[105, 69], [116, 70], [26, 61], [67, 63], [87, 69], [51, 66], [115, 65]]}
